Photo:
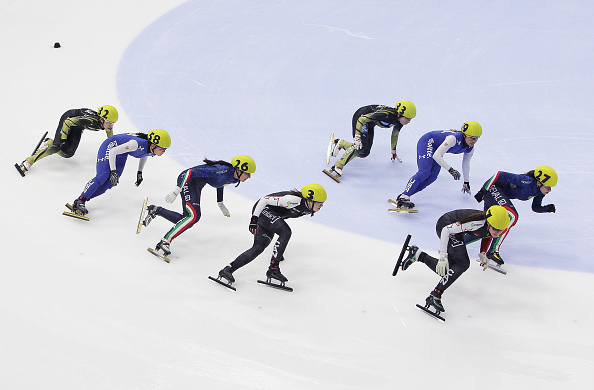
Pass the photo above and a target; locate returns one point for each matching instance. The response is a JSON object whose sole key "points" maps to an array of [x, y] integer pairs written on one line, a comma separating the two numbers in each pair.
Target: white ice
{"points": [[86, 307]]}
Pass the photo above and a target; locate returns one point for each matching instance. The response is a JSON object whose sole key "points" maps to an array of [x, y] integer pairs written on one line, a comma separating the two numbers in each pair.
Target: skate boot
{"points": [[336, 169], [404, 202], [335, 148], [151, 213], [411, 257], [275, 273], [79, 206], [495, 257], [434, 299], [227, 273], [164, 246]]}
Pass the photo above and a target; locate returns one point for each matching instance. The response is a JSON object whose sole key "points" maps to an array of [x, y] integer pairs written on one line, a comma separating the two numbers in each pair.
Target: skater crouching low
{"points": [[268, 218], [456, 229]]}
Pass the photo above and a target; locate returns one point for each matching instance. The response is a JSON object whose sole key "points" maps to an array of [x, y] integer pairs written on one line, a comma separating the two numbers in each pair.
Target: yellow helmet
{"points": [[406, 109], [160, 138], [108, 113], [244, 163], [314, 192], [498, 217], [472, 129], [546, 175]]}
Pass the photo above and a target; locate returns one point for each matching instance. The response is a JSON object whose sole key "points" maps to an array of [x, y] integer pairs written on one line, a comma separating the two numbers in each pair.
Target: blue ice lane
{"points": [[273, 79]]}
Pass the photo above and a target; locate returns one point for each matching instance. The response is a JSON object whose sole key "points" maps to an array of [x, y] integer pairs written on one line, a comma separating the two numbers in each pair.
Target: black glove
{"points": [[454, 173], [138, 178], [466, 188], [550, 208], [254, 224], [479, 196], [113, 177]]}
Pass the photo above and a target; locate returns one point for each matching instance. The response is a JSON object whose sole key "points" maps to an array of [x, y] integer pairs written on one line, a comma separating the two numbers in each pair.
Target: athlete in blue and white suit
{"points": [[430, 150], [111, 160]]}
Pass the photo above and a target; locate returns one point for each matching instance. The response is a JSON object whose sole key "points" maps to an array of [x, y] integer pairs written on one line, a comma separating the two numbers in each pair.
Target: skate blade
{"points": [[275, 285], [141, 219], [403, 210], [219, 281], [496, 268], [333, 177], [432, 314], [400, 209], [401, 256], [18, 168], [329, 152], [160, 256], [75, 215]]}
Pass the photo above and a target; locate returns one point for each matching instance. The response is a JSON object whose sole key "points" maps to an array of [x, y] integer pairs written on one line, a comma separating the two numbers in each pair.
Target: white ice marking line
{"points": [[342, 30], [401, 319]]}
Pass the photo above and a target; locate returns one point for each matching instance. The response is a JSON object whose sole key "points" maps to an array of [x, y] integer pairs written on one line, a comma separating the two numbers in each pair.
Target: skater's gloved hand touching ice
{"points": [[466, 188], [138, 178], [224, 209], [443, 265], [395, 156], [484, 260]]}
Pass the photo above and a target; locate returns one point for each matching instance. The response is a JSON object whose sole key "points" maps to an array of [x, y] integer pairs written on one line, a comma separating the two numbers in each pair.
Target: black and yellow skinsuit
{"points": [[364, 121], [72, 123]]}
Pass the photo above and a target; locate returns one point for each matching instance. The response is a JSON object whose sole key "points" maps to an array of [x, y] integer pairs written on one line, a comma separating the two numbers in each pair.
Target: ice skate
{"points": [[151, 213], [435, 302], [163, 245], [79, 207], [227, 274], [494, 256], [275, 273], [334, 173], [403, 205], [225, 278], [411, 257]]}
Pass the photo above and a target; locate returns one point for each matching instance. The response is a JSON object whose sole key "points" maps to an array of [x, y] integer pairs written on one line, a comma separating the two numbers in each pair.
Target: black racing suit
{"points": [[458, 258], [271, 221]]}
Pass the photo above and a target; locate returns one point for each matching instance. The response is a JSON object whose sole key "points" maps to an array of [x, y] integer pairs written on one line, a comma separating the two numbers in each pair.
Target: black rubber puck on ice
{"points": [[57, 45]]}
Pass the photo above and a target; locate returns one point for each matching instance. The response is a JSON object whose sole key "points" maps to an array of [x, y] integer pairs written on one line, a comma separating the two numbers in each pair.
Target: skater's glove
{"points": [[455, 174], [224, 209], [550, 208], [254, 224], [170, 197], [484, 260], [357, 143], [466, 188], [138, 178], [113, 178], [443, 265], [395, 156], [479, 196]]}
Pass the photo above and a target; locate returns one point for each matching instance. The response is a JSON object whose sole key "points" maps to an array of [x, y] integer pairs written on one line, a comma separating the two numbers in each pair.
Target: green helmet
{"points": [[314, 192], [108, 113], [244, 163], [160, 138], [498, 217], [472, 129], [406, 109], [546, 175]]}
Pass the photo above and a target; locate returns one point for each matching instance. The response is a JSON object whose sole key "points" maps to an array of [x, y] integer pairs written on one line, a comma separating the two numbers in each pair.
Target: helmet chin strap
{"points": [[238, 176]]}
